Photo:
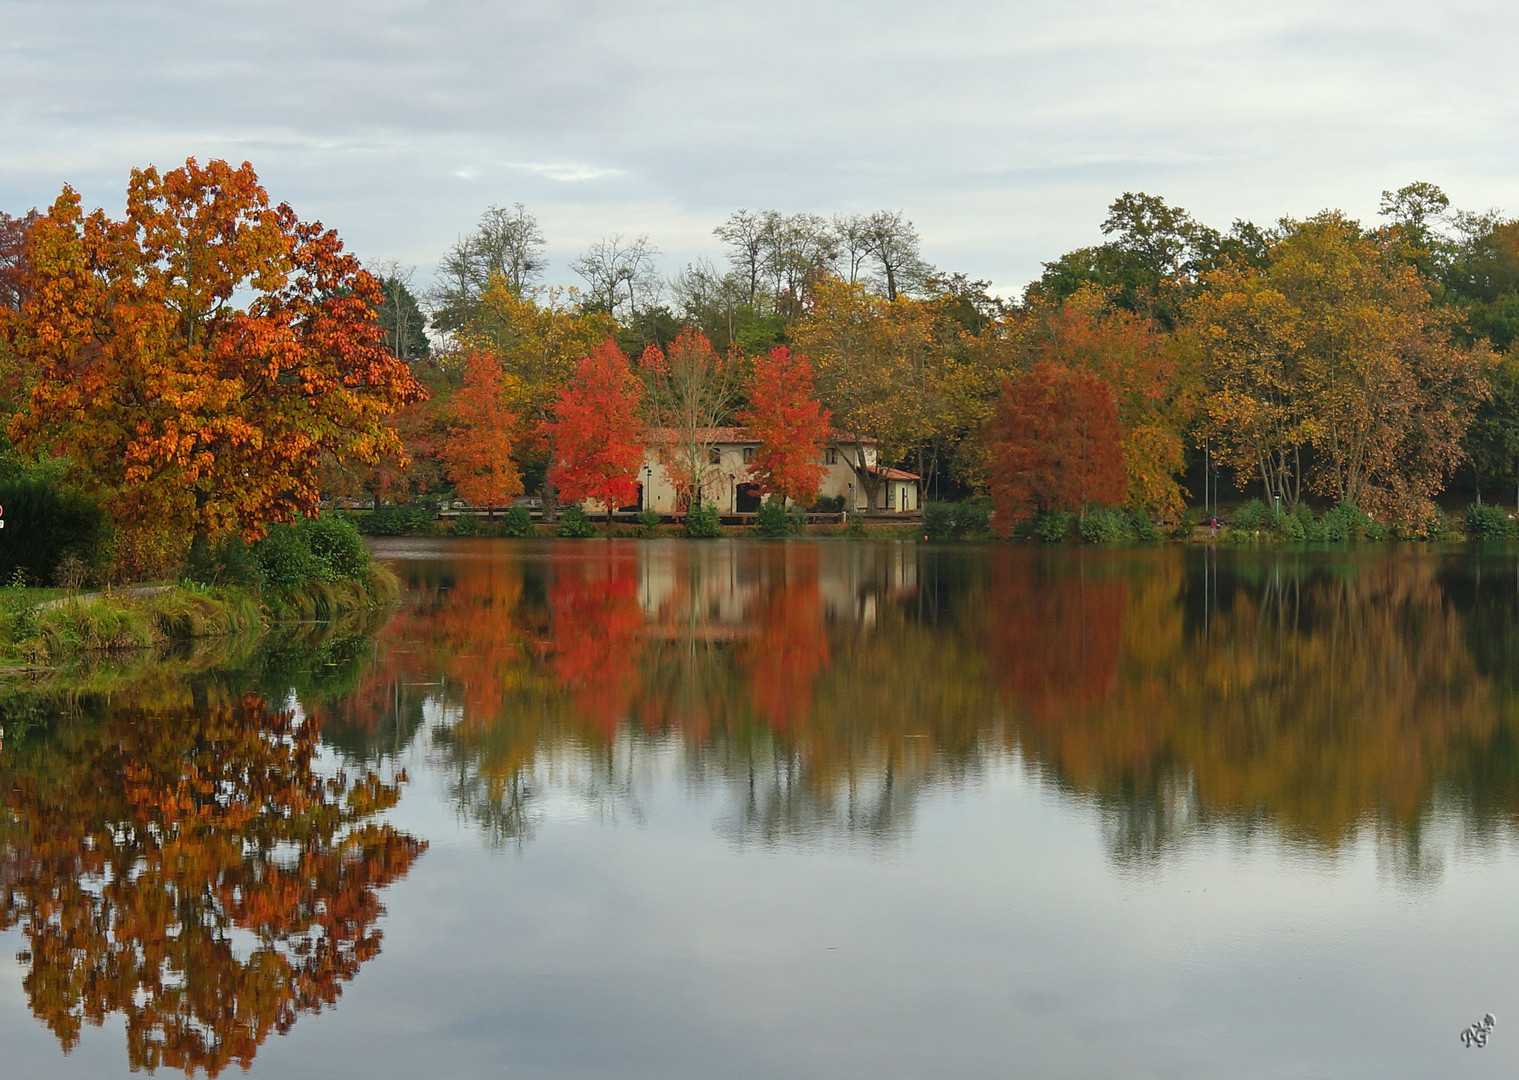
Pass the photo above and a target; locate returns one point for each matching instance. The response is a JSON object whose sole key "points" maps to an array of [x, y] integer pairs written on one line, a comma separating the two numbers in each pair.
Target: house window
{"points": [[832, 457], [748, 454], [714, 456]]}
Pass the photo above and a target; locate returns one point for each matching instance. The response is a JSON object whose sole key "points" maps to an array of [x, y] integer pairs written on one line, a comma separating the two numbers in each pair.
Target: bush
{"points": [[337, 547], [403, 519], [575, 524], [1052, 526], [1248, 515], [704, 522], [1105, 526], [228, 561], [952, 521], [465, 525], [285, 562], [1487, 522], [854, 525], [772, 520], [1345, 522], [1141, 528], [797, 521], [828, 504], [938, 521], [44, 524], [517, 522], [648, 522], [1287, 527]]}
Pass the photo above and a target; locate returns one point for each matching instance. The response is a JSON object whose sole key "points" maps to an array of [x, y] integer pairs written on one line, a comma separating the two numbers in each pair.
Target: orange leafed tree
{"points": [[478, 452], [597, 431], [1056, 444], [200, 358], [789, 423]]}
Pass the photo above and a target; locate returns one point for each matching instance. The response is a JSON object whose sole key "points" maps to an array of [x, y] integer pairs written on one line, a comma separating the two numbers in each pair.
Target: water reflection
{"points": [[187, 866], [823, 686]]}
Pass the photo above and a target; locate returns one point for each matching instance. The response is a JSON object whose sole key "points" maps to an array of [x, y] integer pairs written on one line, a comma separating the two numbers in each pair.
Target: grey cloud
{"points": [[1001, 128]]}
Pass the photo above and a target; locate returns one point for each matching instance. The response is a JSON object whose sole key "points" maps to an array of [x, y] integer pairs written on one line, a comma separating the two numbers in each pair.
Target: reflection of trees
{"points": [[189, 868], [822, 687]]}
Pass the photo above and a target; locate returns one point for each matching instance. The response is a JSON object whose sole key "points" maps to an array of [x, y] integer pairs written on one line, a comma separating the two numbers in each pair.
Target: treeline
{"points": [[1321, 360], [211, 364]]}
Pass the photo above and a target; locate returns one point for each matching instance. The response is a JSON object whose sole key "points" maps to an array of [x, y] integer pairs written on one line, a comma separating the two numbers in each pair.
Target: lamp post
{"points": [[648, 487]]}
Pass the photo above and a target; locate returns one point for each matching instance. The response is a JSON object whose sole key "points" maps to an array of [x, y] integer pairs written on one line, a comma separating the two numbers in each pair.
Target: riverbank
{"points": [[41, 628]]}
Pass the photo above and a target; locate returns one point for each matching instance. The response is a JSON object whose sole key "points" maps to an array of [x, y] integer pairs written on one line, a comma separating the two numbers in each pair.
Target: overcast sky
{"points": [[1002, 129]]}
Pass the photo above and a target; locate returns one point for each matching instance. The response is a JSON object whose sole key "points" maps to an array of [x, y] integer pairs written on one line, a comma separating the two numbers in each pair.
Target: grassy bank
{"points": [[313, 571]]}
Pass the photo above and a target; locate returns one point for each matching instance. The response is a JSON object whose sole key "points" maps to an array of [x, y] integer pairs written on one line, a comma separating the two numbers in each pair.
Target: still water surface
{"points": [[807, 809]]}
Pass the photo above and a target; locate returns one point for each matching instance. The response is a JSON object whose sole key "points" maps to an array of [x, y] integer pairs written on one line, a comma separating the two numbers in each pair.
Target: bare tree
{"points": [[614, 267], [708, 298], [851, 233], [892, 243], [405, 326], [507, 243], [749, 234]]}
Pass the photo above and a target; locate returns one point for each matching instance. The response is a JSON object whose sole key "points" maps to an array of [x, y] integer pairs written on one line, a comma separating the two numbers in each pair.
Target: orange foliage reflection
{"points": [[191, 870]]}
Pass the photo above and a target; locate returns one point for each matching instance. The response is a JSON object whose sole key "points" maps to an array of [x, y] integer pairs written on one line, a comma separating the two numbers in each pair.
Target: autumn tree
{"points": [[1152, 380], [197, 359], [1056, 444], [1332, 366], [598, 431], [484, 426], [790, 425], [875, 361], [691, 389]]}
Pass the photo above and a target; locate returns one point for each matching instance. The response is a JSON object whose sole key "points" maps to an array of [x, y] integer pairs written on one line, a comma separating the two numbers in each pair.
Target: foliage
{"points": [[789, 424], [648, 522], [45, 524], [771, 520], [1105, 525], [177, 406], [690, 390], [575, 524], [517, 522], [1055, 445], [1487, 522], [597, 431], [1141, 528], [326, 549], [1051, 526], [954, 521], [479, 449], [703, 523], [1287, 527], [402, 519], [828, 504], [1248, 515], [1331, 367]]}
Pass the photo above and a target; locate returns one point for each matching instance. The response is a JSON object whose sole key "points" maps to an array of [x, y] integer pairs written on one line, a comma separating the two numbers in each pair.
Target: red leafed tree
{"points": [[478, 452], [597, 431], [1056, 444], [790, 425]]}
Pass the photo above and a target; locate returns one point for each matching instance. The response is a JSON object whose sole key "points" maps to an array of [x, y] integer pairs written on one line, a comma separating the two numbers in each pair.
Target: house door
{"points": [[747, 501]]}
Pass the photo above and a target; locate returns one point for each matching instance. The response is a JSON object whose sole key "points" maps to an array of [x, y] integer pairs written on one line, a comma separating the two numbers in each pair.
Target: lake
{"points": [[796, 809]]}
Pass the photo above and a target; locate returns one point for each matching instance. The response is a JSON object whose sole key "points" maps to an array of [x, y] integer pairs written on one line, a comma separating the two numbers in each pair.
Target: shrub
{"points": [[517, 522], [1248, 515], [402, 519], [1287, 527], [1105, 526], [854, 525], [828, 504], [938, 521], [465, 525], [336, 546], [772, 520], [797, 521], [973, 516], [1487, 522], [1052, 526], [228, 561], [648, 522], [704, 522], [1345, 522], [1142, 528], [285, 562], [44, 524], [575, 524]]}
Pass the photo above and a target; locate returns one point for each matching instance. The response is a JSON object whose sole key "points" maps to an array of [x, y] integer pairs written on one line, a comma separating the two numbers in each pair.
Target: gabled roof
{"points": [[893, 474], [737, 435]]}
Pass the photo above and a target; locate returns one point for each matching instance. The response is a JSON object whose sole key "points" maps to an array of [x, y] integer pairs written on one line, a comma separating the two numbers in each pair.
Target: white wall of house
{"points": [[730, 472]]}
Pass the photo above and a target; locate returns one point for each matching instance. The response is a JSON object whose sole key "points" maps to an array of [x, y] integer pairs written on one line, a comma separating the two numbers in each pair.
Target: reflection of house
{"points": [[728, 487]]}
